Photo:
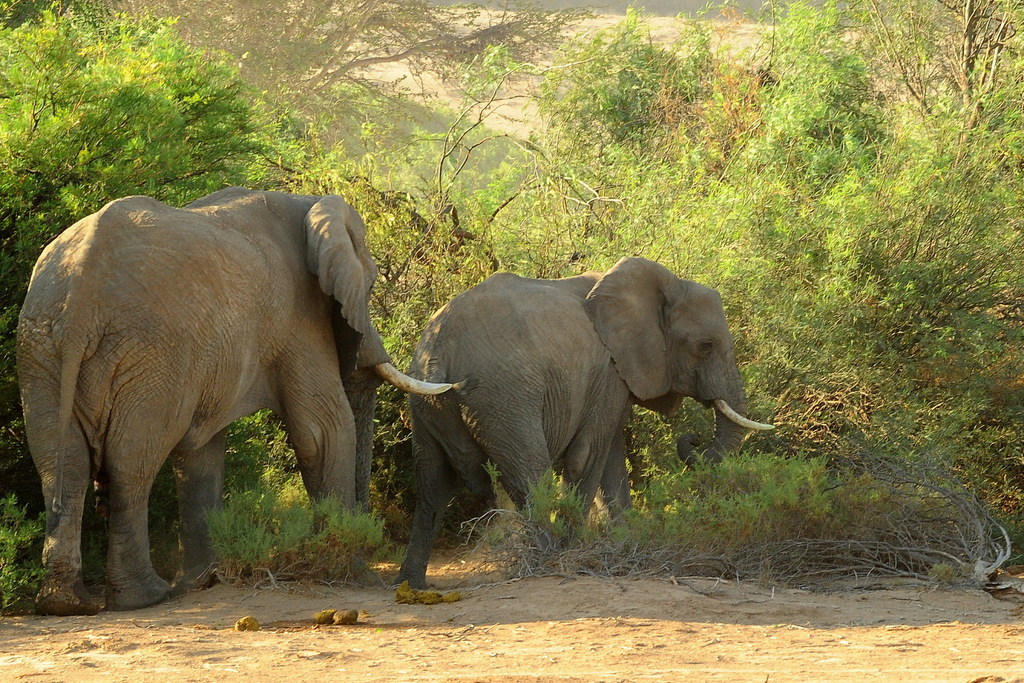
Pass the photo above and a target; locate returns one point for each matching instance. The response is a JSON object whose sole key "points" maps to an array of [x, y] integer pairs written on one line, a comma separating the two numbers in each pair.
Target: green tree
{"points": [[944, 54], [621, 87]]}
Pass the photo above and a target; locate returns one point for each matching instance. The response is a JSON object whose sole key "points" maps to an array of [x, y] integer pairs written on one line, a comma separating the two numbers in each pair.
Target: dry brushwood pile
{"points": [[934, 529]]}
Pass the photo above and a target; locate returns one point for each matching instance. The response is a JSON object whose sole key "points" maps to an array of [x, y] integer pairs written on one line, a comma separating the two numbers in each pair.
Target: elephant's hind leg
{"points": [[61, 456], [521, 456], [63, 591], [132, 582], [435, 483], [199, 474]]}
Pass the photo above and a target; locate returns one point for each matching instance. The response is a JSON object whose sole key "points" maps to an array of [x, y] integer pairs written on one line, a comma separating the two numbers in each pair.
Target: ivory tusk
{"points": [[392, 375], [727, 410]]}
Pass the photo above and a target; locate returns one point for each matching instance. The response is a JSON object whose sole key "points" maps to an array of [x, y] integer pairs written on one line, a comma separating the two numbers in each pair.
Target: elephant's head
{"points": [[668, 339], [336, 253]]}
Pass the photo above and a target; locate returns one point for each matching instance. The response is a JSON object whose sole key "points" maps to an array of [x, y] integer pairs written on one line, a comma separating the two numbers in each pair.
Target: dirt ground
{"points": [[537, 630]]}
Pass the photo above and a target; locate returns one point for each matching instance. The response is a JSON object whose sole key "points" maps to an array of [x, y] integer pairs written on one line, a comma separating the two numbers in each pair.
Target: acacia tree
{"points": [[301, 50]]}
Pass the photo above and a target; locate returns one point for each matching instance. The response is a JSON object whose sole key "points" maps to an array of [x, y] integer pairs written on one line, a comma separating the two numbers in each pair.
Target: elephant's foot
{"points": [[138, 594], [66, 598], [194, 579]]}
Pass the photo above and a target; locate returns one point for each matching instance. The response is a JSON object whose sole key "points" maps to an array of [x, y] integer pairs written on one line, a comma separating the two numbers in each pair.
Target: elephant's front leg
{"points": [[597, 457], [361, 390], [199, 474], [323, 433]]}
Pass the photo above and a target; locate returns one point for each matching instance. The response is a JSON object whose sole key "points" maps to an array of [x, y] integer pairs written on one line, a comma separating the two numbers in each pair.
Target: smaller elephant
{"points": [[546, 373], [148, 329]]}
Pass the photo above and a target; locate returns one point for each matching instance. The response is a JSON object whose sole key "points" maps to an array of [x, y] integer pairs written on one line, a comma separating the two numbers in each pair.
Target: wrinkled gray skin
{"points": [[550, 370], [147, 329]]}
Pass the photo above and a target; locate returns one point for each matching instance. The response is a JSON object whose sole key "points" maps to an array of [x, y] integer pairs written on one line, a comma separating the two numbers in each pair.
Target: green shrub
{"points": [[556, 510], [282, 533], [620, 87], [819, 116], [20, 548], [749, 500]]}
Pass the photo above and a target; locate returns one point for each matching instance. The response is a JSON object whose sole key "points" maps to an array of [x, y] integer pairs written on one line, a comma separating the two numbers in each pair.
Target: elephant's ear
{"points": [[626, 308], [336, 253]]}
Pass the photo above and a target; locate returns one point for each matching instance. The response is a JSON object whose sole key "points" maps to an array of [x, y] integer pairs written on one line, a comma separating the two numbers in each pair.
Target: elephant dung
{"points": [[346, 617], [325, 616], [247, 624], [406, 595], [336, 617]]}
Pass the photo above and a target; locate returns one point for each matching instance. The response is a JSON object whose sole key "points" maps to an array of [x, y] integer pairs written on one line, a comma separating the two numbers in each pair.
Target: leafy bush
{"points": [[261, 532], [20, 546], [819, 114], [620, 87]]}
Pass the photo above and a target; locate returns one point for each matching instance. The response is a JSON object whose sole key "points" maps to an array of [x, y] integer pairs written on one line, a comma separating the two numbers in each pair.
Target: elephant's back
{"points": [[511, 327], [519, 302], [140, 284]]}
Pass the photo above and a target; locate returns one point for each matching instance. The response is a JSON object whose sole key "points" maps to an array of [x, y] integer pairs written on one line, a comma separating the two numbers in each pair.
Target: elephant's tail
{"points": [[71, 354]]}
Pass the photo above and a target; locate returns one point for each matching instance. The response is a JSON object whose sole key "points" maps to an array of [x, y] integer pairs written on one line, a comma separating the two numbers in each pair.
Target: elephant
{"points": [[545, 373], [147, 329]]}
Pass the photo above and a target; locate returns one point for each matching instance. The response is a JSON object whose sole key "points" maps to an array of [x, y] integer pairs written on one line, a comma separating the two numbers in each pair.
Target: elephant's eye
{"points": [[705, 348]]}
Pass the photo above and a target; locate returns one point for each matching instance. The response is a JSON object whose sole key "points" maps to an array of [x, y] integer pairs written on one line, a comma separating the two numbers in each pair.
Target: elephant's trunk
{"points": [[390, 374], [730, 427], [728, 437], [725, 391]]}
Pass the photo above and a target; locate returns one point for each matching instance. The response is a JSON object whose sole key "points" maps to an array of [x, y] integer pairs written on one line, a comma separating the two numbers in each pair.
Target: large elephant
{"points": [[546, 372], [147, 329]]}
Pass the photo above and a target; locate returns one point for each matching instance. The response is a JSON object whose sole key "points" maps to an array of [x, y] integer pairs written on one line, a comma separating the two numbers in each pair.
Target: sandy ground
{"points": [[537, 629]]}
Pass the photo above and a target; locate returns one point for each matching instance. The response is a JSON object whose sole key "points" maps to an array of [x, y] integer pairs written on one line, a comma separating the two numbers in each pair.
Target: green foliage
{"points": [[819, 119], [557, 511], [281, 533], [752, 500], [620, 87], [258, 454], [20, 545]]}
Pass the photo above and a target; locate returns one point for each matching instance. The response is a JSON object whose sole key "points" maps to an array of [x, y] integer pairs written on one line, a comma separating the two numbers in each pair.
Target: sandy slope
{"points": [[514, 112]]}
